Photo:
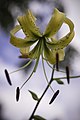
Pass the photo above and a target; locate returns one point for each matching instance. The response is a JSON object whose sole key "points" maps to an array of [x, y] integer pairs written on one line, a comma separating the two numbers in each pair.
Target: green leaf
{"points": [[37, 117], [59, 81], [34, 96]]}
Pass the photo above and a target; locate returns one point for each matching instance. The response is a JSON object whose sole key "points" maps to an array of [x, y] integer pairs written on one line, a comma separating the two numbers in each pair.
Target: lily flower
{"points": [[45, 43]]}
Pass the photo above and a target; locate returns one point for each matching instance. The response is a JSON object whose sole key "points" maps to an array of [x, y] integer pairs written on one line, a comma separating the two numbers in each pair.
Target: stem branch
{"points": [[51, 80], [66, 77]]}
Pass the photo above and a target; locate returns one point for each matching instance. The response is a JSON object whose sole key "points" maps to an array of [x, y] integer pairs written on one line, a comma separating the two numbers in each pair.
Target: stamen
{"points": [[54, 68], [34, 69], [21, 67], [45, 73], [67, 74], [52, 72], [17, 94], [57, 61], [8, 77], [27, 80], [54, 97]]}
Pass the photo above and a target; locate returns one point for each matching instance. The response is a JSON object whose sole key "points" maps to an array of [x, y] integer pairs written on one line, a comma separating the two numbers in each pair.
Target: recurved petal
{"points": [[55, 23], [34, 53], [61, 54], [28, 25], [24, 52], [50, 55], [19, 42], [63, 42]]}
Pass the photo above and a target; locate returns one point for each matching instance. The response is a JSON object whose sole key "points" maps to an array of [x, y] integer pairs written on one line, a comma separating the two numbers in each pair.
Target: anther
{"points": [[57, 61], [54, 97], [67, 74], [8, 77], [17, 94]]}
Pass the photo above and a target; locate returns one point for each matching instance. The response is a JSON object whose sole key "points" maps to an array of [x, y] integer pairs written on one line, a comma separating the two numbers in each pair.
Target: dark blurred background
{"points": [[67, 105]]}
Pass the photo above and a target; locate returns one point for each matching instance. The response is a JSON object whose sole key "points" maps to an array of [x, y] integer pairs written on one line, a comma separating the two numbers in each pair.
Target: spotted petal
{"points": [[50, 55], [55, 23], [19, 42], [28, 25], [63, 42]]}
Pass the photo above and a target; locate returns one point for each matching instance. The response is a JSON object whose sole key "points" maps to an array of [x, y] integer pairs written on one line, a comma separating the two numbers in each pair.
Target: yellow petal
{"points": [[55, 23], [19, 42], [61, 54], [24, 52], [28, 25], [63, 42], [50, 55], [34, 53]]}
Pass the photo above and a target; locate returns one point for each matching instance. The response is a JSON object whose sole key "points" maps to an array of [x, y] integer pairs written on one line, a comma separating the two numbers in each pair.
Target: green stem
{"points": [[66, 77], [51, 80]]}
